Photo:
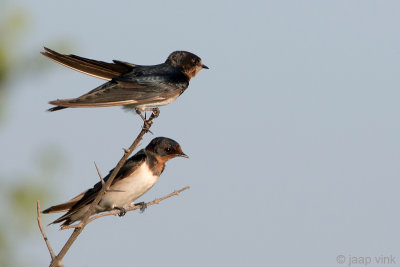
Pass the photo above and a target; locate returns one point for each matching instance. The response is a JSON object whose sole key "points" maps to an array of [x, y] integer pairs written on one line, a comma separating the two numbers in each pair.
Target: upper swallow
{"points": [[130, 85], [136, 177]]}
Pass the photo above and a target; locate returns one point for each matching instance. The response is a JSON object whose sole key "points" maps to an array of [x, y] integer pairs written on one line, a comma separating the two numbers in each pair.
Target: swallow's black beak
{"points": [[183, 155], [204, 66]]}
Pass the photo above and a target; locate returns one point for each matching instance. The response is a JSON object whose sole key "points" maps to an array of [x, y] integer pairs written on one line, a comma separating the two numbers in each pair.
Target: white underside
{"points": [[131, 187], [160, 103]]}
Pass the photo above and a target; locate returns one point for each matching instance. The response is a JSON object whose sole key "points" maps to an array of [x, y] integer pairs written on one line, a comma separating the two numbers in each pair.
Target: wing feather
{"points": [[95, 68], [124, 93]]}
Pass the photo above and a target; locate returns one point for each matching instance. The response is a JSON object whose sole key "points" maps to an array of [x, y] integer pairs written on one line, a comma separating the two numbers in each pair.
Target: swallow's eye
{"points": [[194, 60], [168, 149]]}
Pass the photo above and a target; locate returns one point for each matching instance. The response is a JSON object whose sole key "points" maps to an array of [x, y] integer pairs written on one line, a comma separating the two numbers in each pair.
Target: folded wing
{"points": [[117, 93]]}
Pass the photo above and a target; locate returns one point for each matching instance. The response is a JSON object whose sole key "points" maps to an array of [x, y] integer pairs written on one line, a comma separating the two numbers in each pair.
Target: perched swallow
{"points": [[130, 85], [136, 177]]}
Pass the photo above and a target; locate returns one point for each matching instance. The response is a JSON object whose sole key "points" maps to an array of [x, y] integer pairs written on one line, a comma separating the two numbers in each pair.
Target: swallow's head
{"points": [[165, 149], [189, 63]]}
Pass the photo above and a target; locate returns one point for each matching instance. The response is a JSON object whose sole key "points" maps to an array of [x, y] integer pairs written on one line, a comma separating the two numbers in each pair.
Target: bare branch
{"points": [[132, 208], [98, 172], [146, 126], [39, 220]]}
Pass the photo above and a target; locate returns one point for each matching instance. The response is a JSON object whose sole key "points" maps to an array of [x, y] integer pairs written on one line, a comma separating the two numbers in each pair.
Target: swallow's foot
{"points": [[122, 211], [156, 112], [143, 206]]}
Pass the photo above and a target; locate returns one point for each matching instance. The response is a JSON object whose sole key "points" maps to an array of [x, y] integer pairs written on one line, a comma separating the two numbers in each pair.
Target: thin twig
{"points": [[98, 172], [102, 180], [39, 220], [132, 208], [146, 126]]}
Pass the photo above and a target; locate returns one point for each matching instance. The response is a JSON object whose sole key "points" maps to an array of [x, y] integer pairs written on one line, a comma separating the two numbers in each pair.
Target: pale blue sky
{"points": [[293, 132]]}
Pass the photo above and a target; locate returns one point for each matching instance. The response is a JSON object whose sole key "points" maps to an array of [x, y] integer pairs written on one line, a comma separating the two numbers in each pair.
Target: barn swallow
{"points": [[136, 177], [130, 85]]}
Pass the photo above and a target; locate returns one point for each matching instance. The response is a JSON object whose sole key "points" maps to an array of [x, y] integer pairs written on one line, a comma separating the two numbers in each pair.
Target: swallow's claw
{"points": [[143, 206], [156, 112], [122, 212]]}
